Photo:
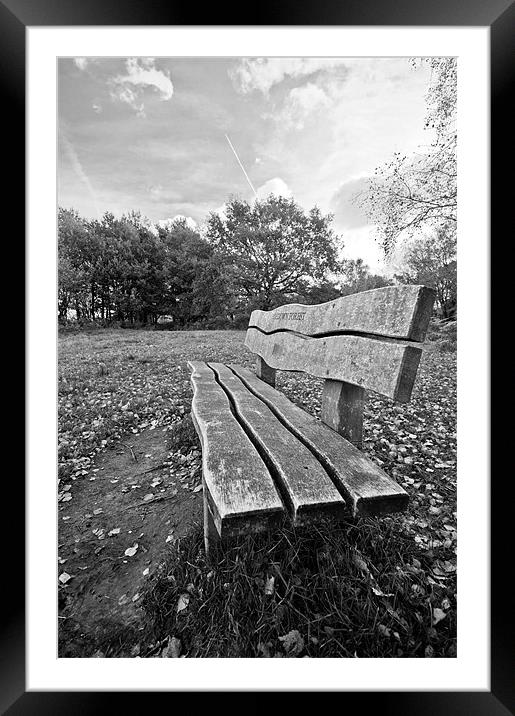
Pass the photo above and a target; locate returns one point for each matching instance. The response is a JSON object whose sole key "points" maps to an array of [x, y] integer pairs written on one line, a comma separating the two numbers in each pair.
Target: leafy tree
{"points": [[413, 193], [146, 268], [126, 276], [126, 270], [196, 288], [431, 261], [271, 246], [215, 300], [110, 268], [357, 277], [77, 251], [320, 292]]}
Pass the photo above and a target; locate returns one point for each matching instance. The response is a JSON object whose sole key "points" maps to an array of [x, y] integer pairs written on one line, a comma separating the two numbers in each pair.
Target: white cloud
{"points": [[363, 243], [350, 122], [263, 73], [190, 222], [360, 243], [130, 97], [302, 102], [81, 62], [344, 203], [156, 190], [141, 73], [221, 211], [276, 186]]}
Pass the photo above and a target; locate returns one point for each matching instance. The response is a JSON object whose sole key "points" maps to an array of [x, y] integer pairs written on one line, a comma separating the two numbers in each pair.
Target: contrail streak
{"points": [[79, 171], [242, 167]]}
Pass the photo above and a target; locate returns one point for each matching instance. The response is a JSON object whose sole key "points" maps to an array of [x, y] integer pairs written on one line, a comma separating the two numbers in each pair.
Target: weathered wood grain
{"points": [[393, 311], [211, 536], [305, 486], [265, 372], [387, 367], [239, 489], [367, 489], [342, 409]]}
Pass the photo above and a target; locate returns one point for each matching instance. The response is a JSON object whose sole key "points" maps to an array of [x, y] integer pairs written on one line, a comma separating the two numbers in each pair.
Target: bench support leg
{"points": [[342, 409], [211, 536], [265, 372]]}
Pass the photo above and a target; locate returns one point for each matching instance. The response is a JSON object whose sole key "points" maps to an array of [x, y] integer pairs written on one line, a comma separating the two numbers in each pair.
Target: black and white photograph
{"points": [[257, 339], [257, 251]]}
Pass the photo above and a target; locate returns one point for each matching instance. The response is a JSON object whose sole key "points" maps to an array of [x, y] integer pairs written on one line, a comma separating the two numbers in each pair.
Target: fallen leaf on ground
{"points": [[438, 615], [131, 551], [183, 602], [383, 630], [264, 649], [293, 643], [173, 649], [64, 577], [269, 585], [360, 562], [379, 592]]}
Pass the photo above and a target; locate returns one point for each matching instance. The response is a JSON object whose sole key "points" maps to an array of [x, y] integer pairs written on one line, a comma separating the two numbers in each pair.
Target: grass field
{"points": [[361, 588]]}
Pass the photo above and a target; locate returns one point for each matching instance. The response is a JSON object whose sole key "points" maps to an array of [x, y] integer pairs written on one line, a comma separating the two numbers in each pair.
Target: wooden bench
{"points": [[263, 457]]}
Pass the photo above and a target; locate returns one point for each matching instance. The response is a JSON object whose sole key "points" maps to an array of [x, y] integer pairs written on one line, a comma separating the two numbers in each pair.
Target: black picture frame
{"points": [[499, 16]]}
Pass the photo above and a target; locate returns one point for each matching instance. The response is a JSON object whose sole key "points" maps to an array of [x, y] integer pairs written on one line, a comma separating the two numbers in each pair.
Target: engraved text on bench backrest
{"points": [[370, 339]]}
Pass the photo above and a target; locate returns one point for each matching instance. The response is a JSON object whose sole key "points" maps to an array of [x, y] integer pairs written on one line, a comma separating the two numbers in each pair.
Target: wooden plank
{"points": [[367, 489], [342, 409], [211, 536], [387, 367], [393, 311], [264, 371], [239, 489], [305, 486]]}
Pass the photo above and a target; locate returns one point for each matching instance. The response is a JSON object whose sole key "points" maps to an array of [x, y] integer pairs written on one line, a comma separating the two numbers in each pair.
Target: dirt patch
{"points": [[140, 496]]}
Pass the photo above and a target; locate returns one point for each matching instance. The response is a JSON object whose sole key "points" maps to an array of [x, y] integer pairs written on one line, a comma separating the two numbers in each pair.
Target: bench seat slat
{"points": [[306, 487], [239, 489], [367, 488], [393, 311], [387, 367]]}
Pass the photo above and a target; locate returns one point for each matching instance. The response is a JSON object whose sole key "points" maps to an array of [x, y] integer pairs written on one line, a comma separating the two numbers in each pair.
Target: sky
{"points": [[149, 134]]}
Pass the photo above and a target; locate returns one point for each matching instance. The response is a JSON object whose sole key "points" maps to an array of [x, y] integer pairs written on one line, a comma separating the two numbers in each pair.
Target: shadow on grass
{"points": [[355, 589]]}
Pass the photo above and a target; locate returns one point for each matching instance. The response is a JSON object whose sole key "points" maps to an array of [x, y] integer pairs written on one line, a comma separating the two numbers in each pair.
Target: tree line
{"points": [[260, 255], [126, 271]]}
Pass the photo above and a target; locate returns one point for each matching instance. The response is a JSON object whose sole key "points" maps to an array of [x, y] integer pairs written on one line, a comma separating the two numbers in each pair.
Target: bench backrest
{"points": [[369, 340]]}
